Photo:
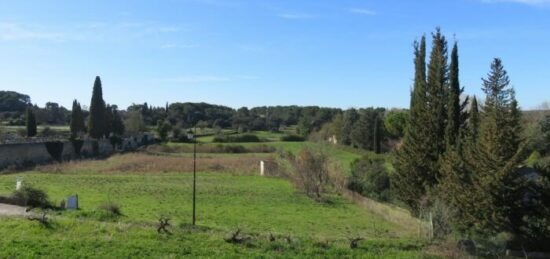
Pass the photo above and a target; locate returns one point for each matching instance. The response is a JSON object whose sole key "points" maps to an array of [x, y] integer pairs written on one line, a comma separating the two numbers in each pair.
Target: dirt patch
{"points": [[12, 210]]}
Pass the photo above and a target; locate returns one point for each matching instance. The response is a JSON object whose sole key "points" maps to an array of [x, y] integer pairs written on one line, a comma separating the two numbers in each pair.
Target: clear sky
{"points": [[337, 53]]}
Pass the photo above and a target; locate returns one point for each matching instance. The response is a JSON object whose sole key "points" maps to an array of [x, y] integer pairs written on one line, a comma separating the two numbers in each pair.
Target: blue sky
{"points": [[337, 53]]}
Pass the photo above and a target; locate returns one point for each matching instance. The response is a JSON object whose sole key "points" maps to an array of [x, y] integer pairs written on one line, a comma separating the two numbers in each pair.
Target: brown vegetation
{"points": [[145, 163]]}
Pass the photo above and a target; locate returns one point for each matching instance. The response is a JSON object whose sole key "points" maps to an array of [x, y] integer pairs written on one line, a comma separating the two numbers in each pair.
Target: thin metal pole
{"points": [[194, 172]]}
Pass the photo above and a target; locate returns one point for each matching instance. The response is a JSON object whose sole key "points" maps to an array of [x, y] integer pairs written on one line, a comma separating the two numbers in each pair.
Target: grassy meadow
{"points": [[277, 220]]}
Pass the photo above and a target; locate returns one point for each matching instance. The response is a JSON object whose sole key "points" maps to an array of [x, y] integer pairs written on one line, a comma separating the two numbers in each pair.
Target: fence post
{"points": [[262, 168]]}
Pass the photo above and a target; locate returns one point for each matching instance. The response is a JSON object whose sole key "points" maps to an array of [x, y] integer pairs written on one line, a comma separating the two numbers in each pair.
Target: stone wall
{"points": [[27, 154]]}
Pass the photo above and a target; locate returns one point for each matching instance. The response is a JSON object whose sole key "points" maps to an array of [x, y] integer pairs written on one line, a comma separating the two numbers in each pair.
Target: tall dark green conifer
{"points": [[30, 122], [437, 86], [96, 124], [409, 180], [474, 121], [77, 120], [454, 107]]}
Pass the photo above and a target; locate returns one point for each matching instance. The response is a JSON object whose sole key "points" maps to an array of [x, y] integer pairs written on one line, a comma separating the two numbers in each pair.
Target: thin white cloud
{"points": [[178, 46], [15, 32], [92, 31], [207, 79], [168, 29], [527, 2], [296, 16], [362, 11]]}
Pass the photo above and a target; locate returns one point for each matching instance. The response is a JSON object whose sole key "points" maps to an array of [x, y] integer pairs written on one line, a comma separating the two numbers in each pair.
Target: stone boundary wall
{"points": [[28, 154]]}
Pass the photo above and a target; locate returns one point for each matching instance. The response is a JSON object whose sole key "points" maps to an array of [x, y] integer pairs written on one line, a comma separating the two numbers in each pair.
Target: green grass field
{"points": [[147, 187]]}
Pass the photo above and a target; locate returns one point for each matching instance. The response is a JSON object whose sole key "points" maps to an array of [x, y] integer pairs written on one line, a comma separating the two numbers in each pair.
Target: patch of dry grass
{"points": [[147, 163]]}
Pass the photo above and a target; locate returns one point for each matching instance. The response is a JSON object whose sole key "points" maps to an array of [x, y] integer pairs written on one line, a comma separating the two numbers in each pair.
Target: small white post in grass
{"points": [[18, 183], [262, 168]]}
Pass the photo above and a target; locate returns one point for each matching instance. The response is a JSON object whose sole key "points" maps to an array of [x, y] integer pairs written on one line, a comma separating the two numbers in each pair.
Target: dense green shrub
{"points": [[370, 178], [244, 138], [115, 141], [55, 149], [77, 145], [95, 148], [32, 197], [111, 208], [292, 138]]}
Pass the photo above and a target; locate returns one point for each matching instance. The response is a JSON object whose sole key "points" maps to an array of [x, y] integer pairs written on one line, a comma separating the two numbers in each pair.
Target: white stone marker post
{"points": [[262, 168], [18, 183]]}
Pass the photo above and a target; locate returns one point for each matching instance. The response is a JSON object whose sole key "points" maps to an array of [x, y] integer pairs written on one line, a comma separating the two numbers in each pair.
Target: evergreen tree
{"points": [[163, 128], [377, 135], [455, 113], [96, 124], [412, 158], [118, 124], [486, 189], [350, 117], [30, 122], [473, 121], [108, 123], [437, 85], [77, 120]]}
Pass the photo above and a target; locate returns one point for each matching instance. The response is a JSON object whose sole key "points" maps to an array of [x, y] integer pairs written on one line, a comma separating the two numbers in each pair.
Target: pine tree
{"points": [[77, 120], [496, 191], [96, 124], [30, 122], [411, 159]]}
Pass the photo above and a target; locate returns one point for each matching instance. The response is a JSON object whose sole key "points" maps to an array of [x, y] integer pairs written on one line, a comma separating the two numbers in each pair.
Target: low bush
{"points": [[115, 141], [370, 178], [292, 138], [77, 145], [309, 171], [48, 132], [112, 208], [55, 149], [244, 138], [32, 197]]}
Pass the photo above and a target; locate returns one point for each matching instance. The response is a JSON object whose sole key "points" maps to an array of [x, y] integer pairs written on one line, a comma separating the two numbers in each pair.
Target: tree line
{"points": [[466, 157]]}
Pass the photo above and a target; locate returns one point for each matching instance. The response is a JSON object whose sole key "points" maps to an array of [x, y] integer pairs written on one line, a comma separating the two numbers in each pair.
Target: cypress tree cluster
{"points": [[97, 123], [466, 160], [77, 120]]}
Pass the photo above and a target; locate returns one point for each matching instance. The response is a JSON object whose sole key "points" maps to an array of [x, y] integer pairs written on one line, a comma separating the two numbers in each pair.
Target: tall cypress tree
{"points": [[473, 121], [437, 85], [30, 122], [77, 120], [409, 180], [96, 124], [454, 108]]}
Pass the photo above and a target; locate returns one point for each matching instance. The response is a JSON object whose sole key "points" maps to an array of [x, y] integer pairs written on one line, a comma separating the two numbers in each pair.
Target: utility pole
{"points": [[194, 172]]}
